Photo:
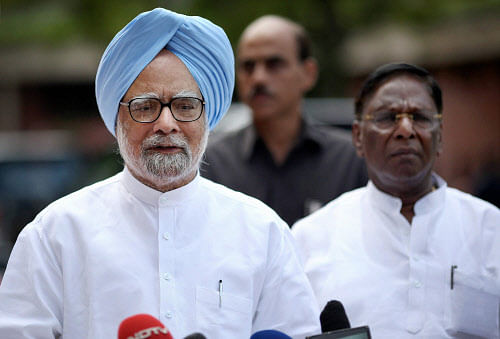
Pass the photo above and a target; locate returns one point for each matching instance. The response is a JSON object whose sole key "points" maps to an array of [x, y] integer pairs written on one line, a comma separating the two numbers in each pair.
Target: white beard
{"points": [[159, 168]]}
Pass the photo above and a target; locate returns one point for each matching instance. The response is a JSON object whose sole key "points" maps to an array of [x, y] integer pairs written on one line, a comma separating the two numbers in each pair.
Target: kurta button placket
{"points": [[166, 255]]}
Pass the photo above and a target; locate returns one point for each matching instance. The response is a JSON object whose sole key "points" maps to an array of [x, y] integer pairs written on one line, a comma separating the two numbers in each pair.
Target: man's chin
{"points": [[264, 114], [167, 174]]}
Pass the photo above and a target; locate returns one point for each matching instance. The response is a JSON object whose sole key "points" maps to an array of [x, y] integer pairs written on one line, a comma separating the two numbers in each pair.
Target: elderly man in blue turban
{"points": [[157, 238]]}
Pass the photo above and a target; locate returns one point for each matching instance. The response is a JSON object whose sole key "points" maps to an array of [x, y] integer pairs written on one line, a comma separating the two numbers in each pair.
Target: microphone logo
{"points": [[149, 332]]}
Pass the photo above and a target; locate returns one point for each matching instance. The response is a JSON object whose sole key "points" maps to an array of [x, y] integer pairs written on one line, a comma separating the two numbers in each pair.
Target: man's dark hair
{"points": [[304, 44], [383, 73]]}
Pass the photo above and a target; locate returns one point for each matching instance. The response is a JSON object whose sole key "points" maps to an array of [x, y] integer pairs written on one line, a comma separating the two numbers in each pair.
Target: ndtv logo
{"points": [[148, 332]]}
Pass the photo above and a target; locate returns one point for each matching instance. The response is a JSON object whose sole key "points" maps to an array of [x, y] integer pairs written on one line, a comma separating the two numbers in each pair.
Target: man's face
{"points": [[271, 79], [402, 157], [166, 153]]}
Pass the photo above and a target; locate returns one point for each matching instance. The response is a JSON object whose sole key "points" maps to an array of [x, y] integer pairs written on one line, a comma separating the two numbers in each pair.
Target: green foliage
{"points": [[54, 20], [101, 20], [328, 21], [27, 21], [36, 24]]}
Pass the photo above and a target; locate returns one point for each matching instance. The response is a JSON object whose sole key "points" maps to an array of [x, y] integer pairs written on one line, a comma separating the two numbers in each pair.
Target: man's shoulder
{"points": [[83, 199], [331, 134], [467, 200], [337, 209], [225, 154], [338, 155], [227, 140], [227, 194], [336, 221], [84, 206], [239, 202]]}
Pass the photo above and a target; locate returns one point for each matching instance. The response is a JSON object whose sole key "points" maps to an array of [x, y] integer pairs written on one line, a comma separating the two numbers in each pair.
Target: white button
{"points": [[169, 315], [166, 236], [163, 200], [417, 284], [416, 259], [166, 276]]}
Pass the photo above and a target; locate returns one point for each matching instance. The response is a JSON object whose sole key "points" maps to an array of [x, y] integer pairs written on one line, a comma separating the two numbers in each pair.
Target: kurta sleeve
{"points": [[287, 301], [31, 290], [491, 254]]}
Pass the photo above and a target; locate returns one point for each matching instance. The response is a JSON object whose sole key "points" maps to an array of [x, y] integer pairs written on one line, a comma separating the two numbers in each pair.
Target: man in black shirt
{"points": [[282, 159]]}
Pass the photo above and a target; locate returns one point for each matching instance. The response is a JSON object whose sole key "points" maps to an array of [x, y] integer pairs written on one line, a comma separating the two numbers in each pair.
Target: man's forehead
{"points": [[402, 84], [278, 37], [178, 94], [402, 91], [268, 26]]}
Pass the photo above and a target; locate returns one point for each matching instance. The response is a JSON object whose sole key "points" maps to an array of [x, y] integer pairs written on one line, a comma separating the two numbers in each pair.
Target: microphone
{"points": [[142, 326], [335, 325], [333, 317], [269, 334], [196, 336]]}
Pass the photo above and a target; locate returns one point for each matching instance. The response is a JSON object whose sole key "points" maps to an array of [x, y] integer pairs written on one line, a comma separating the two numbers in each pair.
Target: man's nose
{"points": [[259, 73], [166, 122], [404, 126]]}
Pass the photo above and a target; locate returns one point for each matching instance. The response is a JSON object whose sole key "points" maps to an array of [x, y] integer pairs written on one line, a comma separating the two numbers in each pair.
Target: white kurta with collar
{"points": [[396, 277], [118, 248]]}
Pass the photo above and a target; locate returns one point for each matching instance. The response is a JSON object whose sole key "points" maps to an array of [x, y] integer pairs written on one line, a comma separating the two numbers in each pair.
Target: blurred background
{"points": [[52, 140]]}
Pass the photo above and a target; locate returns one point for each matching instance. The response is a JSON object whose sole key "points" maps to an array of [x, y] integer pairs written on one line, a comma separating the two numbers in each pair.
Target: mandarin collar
{"points": [[392, 205], [432, 200], [153, 197]]}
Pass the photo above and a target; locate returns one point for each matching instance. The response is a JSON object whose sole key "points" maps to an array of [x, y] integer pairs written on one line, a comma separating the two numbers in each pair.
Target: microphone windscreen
{"points": [[143, 326], [269, 334], [333, 317], [196, 336]]}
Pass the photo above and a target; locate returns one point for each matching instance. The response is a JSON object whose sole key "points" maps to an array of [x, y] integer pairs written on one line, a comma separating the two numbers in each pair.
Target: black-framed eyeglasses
{"points": [[147, 110], [389, 120]]}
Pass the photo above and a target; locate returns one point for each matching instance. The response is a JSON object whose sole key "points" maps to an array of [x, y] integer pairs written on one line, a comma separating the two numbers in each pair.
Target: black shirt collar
{"points": [[309, 137]]}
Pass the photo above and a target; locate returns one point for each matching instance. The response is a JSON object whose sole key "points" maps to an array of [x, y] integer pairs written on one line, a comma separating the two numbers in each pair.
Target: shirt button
{"points": [[166, 276], [417, 284], [163, 200], [166, 236], [169, 315]]}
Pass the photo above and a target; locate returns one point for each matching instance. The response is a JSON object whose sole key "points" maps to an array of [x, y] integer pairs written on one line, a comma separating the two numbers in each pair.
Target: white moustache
{"points": [[157, 140]]}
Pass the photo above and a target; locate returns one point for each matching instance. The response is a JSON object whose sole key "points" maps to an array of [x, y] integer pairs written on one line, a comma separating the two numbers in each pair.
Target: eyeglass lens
{"points": [[149, 109], [391, 119]]}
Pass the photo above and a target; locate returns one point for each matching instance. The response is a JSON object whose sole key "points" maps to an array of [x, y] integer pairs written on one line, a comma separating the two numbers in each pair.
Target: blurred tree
{"points": [[328, 21]]}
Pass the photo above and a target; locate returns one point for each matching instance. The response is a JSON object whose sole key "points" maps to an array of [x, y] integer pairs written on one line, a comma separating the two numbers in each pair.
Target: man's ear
{"points": [[357, 138], [310, 73], [439, 146]]}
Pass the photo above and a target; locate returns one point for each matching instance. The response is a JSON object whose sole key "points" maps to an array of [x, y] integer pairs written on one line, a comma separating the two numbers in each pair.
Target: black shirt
{"points": [[321, 166]]}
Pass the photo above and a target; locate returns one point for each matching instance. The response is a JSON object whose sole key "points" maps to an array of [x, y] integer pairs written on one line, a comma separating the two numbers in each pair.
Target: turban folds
{"points": [[201, 45]]}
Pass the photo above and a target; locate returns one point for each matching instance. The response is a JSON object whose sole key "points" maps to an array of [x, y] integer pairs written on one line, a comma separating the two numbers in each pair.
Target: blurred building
{"points": [[52, 140], [464, 56]]}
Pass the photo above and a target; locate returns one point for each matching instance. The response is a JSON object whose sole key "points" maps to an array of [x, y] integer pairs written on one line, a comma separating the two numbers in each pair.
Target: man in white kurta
{"points": [[157, 238], [119, 248], [394, 276], [408, 265]]}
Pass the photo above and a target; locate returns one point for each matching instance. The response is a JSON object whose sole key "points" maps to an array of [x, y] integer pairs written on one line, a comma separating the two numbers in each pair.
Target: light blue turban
{"points": [[201, 45]]}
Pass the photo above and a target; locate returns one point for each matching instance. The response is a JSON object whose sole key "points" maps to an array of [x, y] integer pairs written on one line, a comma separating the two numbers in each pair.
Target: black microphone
{"points": [[335, 325], [196, 336], [333, 317]]}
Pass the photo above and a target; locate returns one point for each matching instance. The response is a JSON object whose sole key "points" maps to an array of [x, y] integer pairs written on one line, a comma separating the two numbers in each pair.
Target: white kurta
{"points": [[396, 277], [118, 248]]}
